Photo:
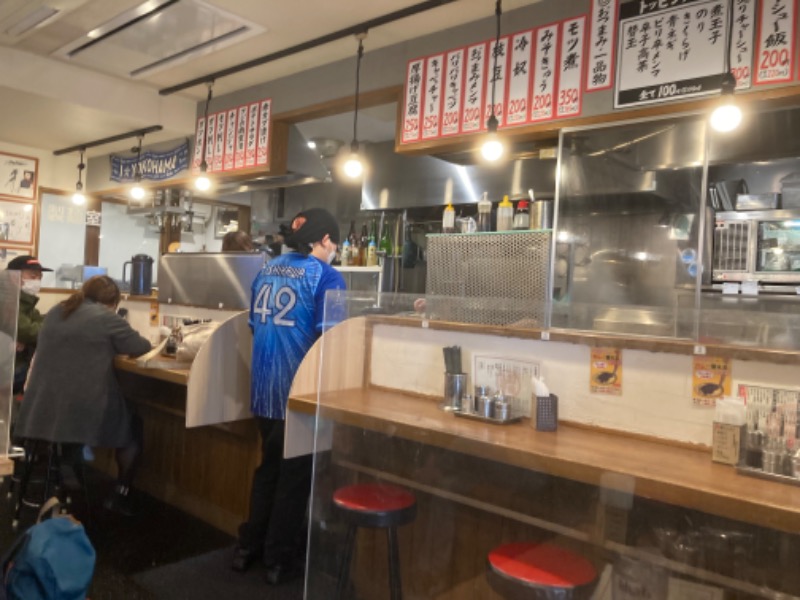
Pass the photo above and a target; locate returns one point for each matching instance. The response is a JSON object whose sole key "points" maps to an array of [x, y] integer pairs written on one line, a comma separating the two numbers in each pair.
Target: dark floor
{"points": [[128, 547]]}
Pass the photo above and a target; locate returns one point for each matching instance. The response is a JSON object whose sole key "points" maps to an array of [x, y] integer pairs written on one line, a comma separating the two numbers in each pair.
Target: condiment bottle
{"points": [[522, 219], [505, 215], [485, 213], [449, 220]]}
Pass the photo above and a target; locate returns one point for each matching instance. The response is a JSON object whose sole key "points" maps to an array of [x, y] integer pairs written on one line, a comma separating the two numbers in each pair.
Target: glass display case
{"points": [[9, 301], [654, 518]]}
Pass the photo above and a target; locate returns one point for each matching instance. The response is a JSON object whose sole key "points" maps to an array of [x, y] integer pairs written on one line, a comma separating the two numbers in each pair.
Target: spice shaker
{"points": [[501, 407]]}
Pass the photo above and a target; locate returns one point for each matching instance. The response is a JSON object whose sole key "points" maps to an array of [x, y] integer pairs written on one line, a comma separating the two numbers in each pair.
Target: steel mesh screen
{"points": [[730, 243], [502, 277]]}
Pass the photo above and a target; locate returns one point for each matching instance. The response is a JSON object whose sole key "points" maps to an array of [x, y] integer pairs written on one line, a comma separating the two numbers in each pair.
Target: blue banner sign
{"points": [[155, 166]]}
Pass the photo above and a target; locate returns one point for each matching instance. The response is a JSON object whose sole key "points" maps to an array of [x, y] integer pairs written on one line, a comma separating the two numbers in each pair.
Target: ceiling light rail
{"points": [[325, 39], [114, 138]]}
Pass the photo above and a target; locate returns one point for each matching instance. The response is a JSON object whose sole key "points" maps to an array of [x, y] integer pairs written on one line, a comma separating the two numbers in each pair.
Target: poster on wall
{"points": [[669, 53], [710, 380], [775, 51], [742, 40], [509, 376], [544, 73], [451, 101], [496, 81], [17, 223], [605, 371], [570, 68], [230, 140], [600, 55], [18, 176], [432, 106], [219, 141], [9, 254], [413, 98], [472, 119], [519, 78]]}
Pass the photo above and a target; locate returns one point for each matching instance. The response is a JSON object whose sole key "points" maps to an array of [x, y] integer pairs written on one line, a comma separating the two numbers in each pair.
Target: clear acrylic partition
{"points": [[9, 301], [381, 416]]}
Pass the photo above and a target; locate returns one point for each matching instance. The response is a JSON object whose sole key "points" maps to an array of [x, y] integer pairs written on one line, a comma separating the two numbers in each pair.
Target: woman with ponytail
{"points": [[72, 396]]}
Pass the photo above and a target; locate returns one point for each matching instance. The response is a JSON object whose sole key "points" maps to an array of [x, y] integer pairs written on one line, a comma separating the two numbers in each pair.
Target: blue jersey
{"points": [[286, 316]]}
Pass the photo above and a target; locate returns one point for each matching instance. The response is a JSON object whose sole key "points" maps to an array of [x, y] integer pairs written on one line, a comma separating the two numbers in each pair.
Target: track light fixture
{"points": [[202, 182], [727, 116], [137, 191], [492, 148], [353, 167], [78, 197]]}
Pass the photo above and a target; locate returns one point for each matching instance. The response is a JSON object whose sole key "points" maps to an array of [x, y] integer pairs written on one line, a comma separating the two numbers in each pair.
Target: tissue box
{"points": [[726, 443]]}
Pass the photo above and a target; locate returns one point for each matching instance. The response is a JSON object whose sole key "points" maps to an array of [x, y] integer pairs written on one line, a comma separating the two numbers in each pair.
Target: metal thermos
{"points": [[541, 214], [141, 283]]}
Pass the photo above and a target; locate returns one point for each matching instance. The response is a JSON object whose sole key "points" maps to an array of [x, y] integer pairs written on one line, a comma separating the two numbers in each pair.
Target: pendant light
{"points": [[353, 167], [492, 149], [727, 116], [78, 197], [202, 182], [137, 191]]}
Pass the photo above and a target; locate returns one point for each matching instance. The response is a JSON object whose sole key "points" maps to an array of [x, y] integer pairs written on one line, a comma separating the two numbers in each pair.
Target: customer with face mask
{"points": [[286, 317], [30, 319]]}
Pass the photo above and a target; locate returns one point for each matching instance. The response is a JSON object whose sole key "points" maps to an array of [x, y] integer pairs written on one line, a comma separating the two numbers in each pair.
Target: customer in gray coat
{"points": [[72, 396]]}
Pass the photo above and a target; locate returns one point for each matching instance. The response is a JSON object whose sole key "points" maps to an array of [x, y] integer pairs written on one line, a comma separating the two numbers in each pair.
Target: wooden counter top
{"points": [[179, 376], [660, 471]]}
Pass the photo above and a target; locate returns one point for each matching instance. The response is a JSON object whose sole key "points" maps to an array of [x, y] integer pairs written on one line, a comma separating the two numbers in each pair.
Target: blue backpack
{"points": [[53, 560]]}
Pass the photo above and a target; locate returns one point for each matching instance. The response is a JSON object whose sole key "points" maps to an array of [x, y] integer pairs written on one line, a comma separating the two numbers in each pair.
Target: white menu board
{"points": [[742, 34], [453, 82], [544, 72], [252, 133], [669, 53], [198, 143], [776, 36], [599, 74], [211, 132], [519, 78], [241, 137], [432, 105], [411, 124], [262, 145], [230, 140], [570, 68], [496, 80], [219, 141], [473, 88]]}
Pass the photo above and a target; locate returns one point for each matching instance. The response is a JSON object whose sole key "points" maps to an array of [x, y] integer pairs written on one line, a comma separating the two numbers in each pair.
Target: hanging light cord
{"points": [[497, 11], [204, 164], [361, 36], [81, 167], [138, 175], [729, 37]]}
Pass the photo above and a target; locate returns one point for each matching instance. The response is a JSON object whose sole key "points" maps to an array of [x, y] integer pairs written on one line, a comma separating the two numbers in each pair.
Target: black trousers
{"points": [[278, 500]]}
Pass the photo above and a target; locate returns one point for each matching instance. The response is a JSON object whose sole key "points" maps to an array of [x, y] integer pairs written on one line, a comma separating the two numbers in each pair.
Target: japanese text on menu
{"points": [[496, 80], [519, 78], [453, 80], [601, 45], [411, 124], [544, 77], [670, 53], [473, 93], [433, 97], [742, 35], [570, 68], [776, 41]]}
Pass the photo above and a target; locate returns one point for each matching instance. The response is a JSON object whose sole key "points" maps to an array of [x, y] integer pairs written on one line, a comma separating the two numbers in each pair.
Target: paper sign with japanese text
{"points": [[473, 88], [252, 135], [230, 140], [199, 147], [509, 376], [453, 92], [600, 54], [710, 379], [669, 53], [605, 371], [241, 137], [413, 98], [432, 105], [742, 39], [219, 141], [262, 145], [570, 69], [777, 29], [211, 132], [519, 78], [497, 65], [545, 60]]}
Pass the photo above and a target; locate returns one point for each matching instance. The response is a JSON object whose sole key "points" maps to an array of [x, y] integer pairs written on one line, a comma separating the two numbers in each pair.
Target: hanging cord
{"points": [[81, 167], [138, 174], [360, 37], [204, 164], [497, 11], [729, 37]]}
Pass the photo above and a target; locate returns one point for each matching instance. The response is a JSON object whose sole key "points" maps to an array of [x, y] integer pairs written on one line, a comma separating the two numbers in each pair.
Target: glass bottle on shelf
{"points": [[355, 253], [522, 218], [505, 214], [484, 213], [346, 256], [386, 241], [363, 245]]}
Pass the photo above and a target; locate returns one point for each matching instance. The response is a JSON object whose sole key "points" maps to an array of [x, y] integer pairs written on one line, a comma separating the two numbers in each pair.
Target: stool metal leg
{"points": [[395, 586], [22, 489], [344, 568]]}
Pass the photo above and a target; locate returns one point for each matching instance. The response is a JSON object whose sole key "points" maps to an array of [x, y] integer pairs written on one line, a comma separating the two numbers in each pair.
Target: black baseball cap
{"points": [[310, 226], [23, 262]]}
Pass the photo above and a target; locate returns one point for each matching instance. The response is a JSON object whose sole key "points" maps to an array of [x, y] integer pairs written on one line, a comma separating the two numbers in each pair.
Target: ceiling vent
{"points": [[20, 17], [156, 35]]}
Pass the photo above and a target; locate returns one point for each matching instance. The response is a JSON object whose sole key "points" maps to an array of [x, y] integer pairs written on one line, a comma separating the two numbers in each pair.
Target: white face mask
{"points": [[331, 256], [32, 286]]}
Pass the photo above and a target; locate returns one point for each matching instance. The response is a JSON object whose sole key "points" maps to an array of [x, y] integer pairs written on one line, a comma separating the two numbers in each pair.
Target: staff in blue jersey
{"points": [[286, 316]]}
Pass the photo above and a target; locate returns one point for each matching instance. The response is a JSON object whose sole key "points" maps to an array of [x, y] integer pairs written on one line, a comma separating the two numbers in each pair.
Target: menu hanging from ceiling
{"points": [[544, 73], [234, 139], [670, 53], [432, 107], [601, 45], [411, 125], [496, 81], [519, 78], [453, 79], [742, 34], [777, 30], [570, 70], [473, 88]]}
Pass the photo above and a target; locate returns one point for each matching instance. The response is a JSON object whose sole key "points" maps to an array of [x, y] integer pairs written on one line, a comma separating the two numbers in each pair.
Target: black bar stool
{"points": [[375, 505], [540, 571]]}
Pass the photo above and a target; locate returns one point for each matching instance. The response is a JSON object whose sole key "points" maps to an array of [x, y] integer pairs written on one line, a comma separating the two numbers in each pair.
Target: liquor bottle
{"points": [[372, 253], [352, 237], [364, 243], [386, 241], [346, 256]]}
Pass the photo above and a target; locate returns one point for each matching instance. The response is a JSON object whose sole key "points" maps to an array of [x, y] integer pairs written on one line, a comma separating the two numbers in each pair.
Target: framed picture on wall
{"points": [[17, 223], [19, 176], [9, 254]]}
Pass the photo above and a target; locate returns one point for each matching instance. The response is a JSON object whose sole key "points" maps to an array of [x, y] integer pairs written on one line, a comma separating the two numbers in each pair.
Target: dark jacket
{"points": [[73, 394], [29, 322]]}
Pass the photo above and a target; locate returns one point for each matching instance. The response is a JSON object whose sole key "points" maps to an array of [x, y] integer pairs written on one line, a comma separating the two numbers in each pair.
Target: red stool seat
{"points": [[376, 504], [541, 566]]}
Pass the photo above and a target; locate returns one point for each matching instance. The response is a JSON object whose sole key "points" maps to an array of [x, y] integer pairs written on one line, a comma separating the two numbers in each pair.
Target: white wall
{"points": [[123, 236]]}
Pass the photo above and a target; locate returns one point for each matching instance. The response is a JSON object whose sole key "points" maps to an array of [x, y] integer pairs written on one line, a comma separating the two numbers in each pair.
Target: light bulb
{"points": [[137, 192], [726, 117], [202, 183], [78, 198], [353, 167], [492, 148]]}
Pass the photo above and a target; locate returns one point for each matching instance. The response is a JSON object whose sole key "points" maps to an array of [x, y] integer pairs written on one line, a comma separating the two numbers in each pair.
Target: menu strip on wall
{"points": [[776, 41], [451, 101], [241, 138], [230, 140], [432, 106], [570, 71], [599, 74], [519, 78], [198, 143], [496, 80], [670, 53], [252, 133], [219, 142], [411, 124], [544, 73], [211, 132], [742, 34], [473, 88], [262, 146]]}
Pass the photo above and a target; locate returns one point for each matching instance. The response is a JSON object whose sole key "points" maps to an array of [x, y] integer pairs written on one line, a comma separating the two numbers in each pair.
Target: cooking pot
{"points": [[141, 283]]}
